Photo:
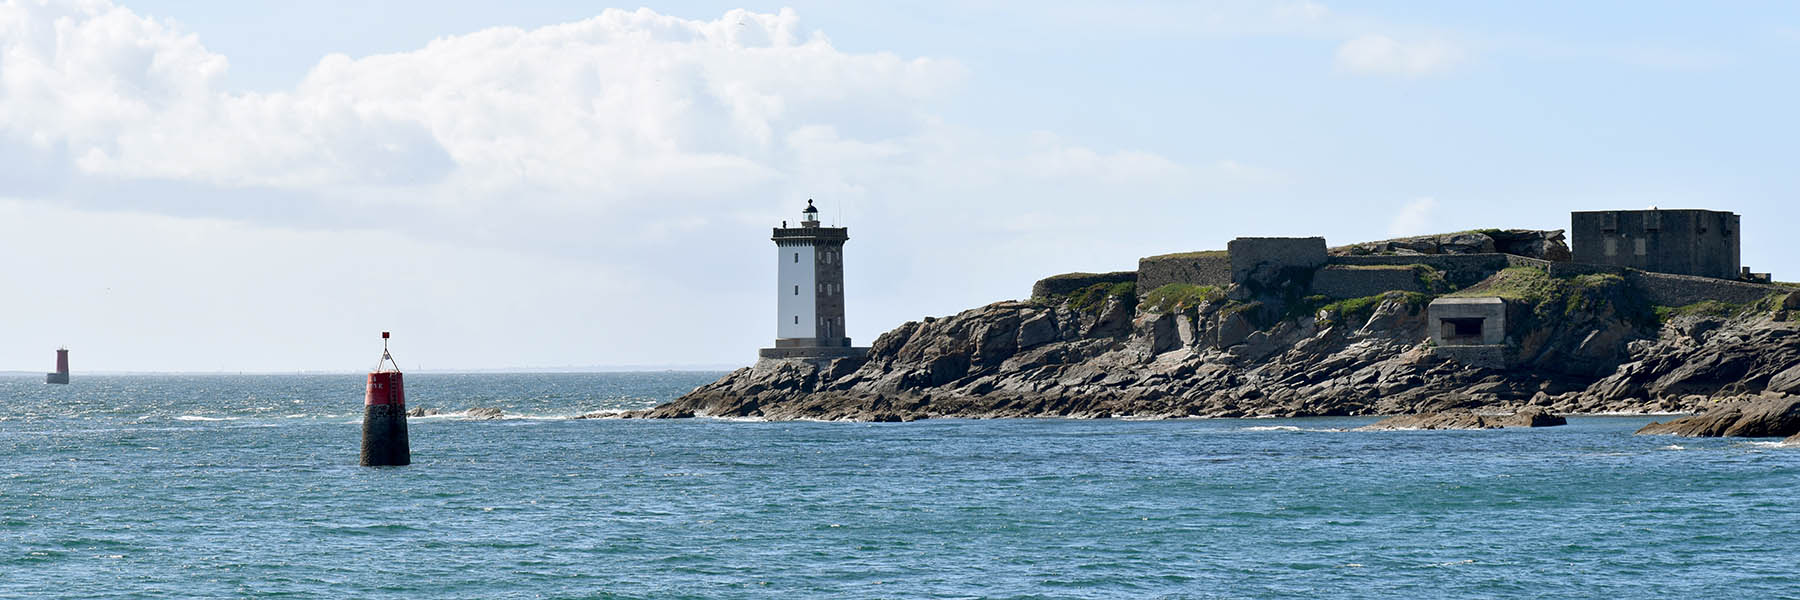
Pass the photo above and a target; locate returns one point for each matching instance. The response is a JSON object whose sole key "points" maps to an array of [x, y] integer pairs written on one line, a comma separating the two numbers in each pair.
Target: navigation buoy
{"points": [[384, 441]]}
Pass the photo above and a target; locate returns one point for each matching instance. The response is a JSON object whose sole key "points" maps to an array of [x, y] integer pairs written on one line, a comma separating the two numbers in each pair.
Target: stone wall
{"points": [[1265, 259], [1343, 281], [1663, 289], [1488, 357], [1196, 268], [1461, 270], [1058, 285]]}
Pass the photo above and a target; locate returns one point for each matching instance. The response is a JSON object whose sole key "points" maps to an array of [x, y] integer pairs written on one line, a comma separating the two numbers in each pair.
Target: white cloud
{"points": [[541, 135], [1416, 218], [1382, 55], [614, 105]]}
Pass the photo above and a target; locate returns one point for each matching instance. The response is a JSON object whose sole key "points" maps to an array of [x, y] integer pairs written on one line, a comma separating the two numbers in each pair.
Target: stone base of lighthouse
{"points": [[813, 348]]}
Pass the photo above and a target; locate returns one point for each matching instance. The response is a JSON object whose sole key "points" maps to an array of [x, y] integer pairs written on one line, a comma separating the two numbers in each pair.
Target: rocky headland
{"points": [[1268, 342], [1776, 416]]}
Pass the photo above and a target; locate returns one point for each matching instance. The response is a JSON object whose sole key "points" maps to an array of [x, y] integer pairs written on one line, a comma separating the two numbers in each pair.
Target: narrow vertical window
{"points": [[796, 290], [796, 257], [796, 319]]}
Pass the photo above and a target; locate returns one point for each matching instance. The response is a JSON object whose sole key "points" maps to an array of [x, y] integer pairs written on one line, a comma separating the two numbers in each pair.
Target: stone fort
{"points": [[1673, 257]]}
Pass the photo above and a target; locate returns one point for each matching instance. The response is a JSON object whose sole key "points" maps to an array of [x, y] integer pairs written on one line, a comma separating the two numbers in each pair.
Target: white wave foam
{"points": [[747, 419], [200, 418], [1673, 447], [1288, 428]]}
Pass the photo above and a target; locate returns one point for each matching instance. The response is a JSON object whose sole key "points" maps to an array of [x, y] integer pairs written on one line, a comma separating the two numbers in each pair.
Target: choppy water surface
{"points": [[229, 486]]}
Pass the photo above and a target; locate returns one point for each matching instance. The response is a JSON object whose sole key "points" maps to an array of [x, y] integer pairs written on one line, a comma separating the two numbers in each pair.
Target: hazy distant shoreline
{"points": [[523, 371]]}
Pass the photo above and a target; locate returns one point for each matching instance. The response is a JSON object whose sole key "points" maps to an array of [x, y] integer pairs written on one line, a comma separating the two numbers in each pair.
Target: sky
{"points": [[202, 186]]}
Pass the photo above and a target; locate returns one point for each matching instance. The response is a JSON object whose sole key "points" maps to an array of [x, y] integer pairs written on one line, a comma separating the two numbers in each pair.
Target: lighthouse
{"points": [[809, 291]]}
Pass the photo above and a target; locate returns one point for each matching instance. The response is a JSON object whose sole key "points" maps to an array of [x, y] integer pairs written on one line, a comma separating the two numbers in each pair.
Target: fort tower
{"points": [[809, 303], [1682, 242]]}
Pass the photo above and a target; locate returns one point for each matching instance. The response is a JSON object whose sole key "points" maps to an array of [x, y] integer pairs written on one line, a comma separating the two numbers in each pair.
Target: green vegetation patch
{"points": [[1182, 255], [1359, 309], [1092, 299], [1710, 308], [1432, 280], [1557, 298], [1177, 297], [1375, 267], [1519, 284]]}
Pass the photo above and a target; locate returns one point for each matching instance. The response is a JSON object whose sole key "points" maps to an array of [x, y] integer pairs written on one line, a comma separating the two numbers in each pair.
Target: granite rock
{"points": [[1747, 417], [1528, 417]]}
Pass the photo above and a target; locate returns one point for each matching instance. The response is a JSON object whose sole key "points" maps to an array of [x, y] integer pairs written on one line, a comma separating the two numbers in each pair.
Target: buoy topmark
{"points": [[384, 440]]}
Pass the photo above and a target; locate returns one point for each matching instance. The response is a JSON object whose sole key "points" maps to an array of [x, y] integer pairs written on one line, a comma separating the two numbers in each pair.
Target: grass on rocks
{"points": [[1176, 297], [1710, 308], [1092, 299], [1182, 255], [1555, 298]]}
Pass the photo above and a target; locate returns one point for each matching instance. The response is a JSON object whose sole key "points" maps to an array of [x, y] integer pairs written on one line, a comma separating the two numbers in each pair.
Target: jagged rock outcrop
{"points": [[1529, 417], [484, 413], [1021, 359], [1578, 345], [1546, 245], [1746, 417], [1698, 357]]}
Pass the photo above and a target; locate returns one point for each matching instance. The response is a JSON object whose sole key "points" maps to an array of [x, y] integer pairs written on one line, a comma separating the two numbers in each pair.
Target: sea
{"points": [[228, 486]]}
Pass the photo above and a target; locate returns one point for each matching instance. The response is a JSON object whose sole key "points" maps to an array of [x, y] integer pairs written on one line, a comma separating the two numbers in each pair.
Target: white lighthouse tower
{"points": [[809, 292]]}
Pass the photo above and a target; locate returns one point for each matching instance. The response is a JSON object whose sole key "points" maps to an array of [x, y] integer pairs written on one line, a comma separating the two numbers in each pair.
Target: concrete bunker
{"points": [[1468, 321], [1471, 331]]}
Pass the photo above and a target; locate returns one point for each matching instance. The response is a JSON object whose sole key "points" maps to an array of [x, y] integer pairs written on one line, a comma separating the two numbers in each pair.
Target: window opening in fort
{"points": [[1612, 247], [1462, 329], [796, 257], [796, 290], [1652, 221], [1609, 222], [1643, 246]]}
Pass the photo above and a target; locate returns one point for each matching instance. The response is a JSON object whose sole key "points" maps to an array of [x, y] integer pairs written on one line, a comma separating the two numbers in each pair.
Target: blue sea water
{"points": [[247, 486]]}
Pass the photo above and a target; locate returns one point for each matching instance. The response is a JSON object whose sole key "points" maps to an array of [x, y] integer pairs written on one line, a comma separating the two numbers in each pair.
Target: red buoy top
{"points": [[385, 388]]}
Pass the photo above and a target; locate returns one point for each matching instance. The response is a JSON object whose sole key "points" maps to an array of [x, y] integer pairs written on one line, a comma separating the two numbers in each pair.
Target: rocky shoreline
{"points": [[1588, 345]]}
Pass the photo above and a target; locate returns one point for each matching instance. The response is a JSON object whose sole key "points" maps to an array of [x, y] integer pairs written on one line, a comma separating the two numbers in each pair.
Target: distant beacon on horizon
{"points": [[61, 375], [809, 304]]}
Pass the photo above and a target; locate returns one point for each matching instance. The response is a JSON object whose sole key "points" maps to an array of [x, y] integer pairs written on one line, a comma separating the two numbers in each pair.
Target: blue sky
{"points": [[544, 184]]}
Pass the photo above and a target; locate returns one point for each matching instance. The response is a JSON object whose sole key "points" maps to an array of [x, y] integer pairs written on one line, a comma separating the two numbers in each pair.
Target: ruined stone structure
{"points": [[1198, 268], [1702, 243], [1256, 260], [1671, 257], [1070, 282], [809, 319]]}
